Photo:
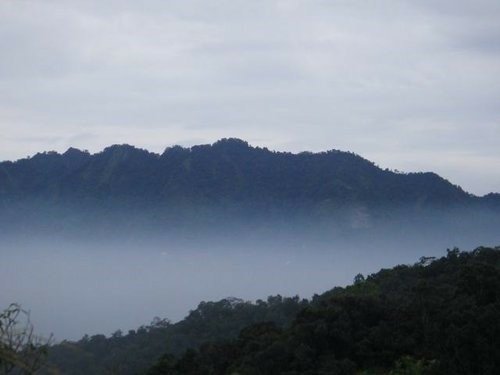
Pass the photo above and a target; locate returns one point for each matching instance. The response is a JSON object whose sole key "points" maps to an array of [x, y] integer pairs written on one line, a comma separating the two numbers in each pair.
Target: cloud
{"points": [[415, 78]]}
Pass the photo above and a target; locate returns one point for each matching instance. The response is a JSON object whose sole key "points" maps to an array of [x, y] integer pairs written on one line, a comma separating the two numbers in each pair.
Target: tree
{"points": [[21, 350], [359, 279]]}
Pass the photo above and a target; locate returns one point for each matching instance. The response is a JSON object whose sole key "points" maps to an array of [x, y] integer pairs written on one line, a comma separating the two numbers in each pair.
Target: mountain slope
{"points": [[134, 352], [229, 171], [437, 318], [229, 184]]}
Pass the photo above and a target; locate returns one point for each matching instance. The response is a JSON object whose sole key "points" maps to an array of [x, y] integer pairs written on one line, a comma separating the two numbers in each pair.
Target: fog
{"points": [[83, 285]]}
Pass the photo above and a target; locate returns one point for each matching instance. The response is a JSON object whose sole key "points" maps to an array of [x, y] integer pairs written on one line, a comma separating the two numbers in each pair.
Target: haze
{"points": [[99, 284]]}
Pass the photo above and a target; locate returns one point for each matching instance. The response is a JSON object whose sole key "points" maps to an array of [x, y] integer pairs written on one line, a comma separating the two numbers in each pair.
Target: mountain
{"points": [[228, 171], [222, 182]]}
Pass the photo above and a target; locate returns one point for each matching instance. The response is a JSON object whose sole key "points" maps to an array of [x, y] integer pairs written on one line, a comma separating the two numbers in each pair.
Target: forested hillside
{"points": [[230, 184], [228, 171], [135, 351], [436, 316]]}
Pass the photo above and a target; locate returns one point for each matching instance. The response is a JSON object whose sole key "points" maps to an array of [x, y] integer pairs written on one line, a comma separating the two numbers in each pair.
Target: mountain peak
{"points": [[125, 151], [75, 152], [120, 148], [232, 143]]}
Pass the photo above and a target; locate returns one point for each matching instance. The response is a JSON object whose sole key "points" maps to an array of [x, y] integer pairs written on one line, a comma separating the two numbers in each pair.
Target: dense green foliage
{"points": [[438, 317], [227, 172], [233, 186], [139, 349], [434, 317]]}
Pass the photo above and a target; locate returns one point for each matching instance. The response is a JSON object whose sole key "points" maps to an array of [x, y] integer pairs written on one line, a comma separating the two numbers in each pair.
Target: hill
{"points": [[436, 316], [228, 171], [135, 351], [222, 183]]}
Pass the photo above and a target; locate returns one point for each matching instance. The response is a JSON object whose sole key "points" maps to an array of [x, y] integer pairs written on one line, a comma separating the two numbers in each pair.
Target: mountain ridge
{"points": [[229, 144], [227, 182], [228, 153]]}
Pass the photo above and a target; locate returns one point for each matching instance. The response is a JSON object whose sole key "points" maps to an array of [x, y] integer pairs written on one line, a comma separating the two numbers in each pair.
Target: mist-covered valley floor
{"points": [[77, 286]]}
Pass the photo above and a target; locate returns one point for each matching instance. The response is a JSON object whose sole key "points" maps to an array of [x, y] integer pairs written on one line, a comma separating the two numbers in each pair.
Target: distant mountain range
{"points": [[227, 179], [229, 171]]}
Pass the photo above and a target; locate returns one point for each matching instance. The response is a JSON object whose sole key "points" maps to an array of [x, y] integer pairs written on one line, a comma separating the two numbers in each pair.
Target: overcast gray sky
{"points": [[410, 84]]}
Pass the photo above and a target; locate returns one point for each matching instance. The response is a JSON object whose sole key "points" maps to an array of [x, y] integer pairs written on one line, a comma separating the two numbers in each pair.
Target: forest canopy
{"points": [[436, 316]]}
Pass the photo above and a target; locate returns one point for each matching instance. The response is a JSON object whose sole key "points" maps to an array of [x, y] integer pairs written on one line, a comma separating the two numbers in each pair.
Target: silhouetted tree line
{"points": [[138, 349], [438, 316], [228, 172]]}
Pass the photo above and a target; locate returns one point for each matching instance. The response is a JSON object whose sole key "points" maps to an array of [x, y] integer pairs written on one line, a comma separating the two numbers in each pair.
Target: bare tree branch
{"points": [[21, 350]]}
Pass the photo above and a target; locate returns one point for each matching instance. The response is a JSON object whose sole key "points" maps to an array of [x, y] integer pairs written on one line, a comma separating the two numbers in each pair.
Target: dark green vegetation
{"points": [[441, 318], [435, 317], [229, 183], [138, 349], [229, 171]]}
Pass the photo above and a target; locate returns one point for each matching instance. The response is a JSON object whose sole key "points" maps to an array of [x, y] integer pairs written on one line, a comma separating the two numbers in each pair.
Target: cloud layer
{"points": [[412, 85]]}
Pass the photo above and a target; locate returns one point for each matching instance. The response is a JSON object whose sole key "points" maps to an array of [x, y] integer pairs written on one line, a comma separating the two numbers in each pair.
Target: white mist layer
{"points": [[80, 288]]}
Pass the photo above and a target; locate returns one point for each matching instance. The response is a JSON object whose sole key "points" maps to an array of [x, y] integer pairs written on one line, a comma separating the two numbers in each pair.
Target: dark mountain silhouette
{"points": [[222, 182], [228, 171]]}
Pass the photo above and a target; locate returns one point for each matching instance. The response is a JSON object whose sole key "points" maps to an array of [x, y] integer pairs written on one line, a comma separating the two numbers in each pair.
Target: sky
{"points": [[412, 85]]}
